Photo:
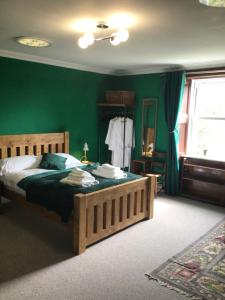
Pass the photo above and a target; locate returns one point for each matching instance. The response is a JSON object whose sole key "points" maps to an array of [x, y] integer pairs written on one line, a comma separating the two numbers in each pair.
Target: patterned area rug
{"points": [[198, 271]]}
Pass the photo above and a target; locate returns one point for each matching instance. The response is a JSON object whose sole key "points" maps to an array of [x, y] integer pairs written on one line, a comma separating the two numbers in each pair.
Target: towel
{"points": [[80, 173], [80, 177], [83, 183], [107, 172], [110, 167]]}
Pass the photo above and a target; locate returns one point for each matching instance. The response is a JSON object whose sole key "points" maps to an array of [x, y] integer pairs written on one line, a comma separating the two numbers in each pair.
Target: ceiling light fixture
{"points": [[115, 38], [214, 3], [32, 42]]}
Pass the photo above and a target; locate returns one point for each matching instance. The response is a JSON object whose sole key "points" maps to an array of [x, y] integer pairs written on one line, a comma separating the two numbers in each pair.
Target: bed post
{"points": [[150, 195], [66, 142], [1, 191], [80, 219]]}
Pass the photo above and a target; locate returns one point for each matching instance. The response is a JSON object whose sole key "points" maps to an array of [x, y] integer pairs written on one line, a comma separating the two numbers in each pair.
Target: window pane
{"points": [[208, 139], [210, 98]]}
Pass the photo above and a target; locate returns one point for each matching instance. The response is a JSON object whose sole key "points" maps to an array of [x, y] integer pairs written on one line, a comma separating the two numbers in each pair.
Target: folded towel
{"points": [[81, 182], [101, 173], [110, 172], [79, 173], [109, 167], [84, 176]]}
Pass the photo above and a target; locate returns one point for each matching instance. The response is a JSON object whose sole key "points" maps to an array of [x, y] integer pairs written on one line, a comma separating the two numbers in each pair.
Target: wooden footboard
{"points": [[102, 213], [96, 215]]}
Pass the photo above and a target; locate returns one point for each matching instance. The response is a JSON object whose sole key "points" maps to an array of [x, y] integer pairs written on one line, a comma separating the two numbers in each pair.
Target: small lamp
{"points": [[86, 148]]}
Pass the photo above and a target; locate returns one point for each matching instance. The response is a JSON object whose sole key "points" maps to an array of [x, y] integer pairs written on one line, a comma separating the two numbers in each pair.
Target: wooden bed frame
{"points": [[96, 215]]}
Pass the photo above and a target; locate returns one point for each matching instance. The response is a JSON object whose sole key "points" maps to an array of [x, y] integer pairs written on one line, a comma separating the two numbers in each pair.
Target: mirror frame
{"points": [[153, 101]]}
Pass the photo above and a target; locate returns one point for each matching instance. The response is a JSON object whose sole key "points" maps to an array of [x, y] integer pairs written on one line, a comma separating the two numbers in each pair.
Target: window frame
{"points": [[184, 115]]}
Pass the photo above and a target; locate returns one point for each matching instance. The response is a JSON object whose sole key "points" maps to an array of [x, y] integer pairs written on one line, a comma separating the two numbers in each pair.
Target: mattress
{"points": [[11, 180]]}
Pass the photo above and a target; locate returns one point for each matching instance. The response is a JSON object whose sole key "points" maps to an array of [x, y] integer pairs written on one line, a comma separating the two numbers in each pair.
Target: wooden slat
{"points": [[90, 223], [38, 150], [99, 218], [108, 213], [4, 152], [116, 215], [22, 150], [45, 147], [30, 150], [131, 204], [53, 148], [60, 148], [124, 208], [138, 201], [13, 151], [143, 197]]}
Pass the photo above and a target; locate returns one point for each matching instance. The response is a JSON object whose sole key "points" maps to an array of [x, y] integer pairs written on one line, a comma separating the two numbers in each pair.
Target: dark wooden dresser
{"points": [[203, 179]]}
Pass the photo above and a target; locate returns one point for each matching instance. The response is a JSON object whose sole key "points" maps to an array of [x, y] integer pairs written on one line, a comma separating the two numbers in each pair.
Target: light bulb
{"points": [[89, 38], [115, 40], [123, 34], [82, 43]]}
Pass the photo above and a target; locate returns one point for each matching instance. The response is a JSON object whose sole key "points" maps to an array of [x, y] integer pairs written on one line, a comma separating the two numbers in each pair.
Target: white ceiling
{"points": [[166, 34]]}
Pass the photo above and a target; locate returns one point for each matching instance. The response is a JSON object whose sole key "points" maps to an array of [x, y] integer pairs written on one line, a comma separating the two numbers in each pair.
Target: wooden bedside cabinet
{"points": [[141, 166]]}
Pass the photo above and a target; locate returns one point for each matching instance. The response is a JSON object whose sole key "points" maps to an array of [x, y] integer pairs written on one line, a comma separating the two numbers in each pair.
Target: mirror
{"points": [[149, 119]]}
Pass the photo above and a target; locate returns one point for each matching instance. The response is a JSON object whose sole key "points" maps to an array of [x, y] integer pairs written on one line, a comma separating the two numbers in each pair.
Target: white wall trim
{"points": [[53, 62], [107, 71], [163, 69]]}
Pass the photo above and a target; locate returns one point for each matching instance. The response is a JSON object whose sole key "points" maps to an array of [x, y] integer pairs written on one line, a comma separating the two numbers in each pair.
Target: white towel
{"points": [[83, 182], [110, 172], [80, 173], [112, 175], [109, 167], [79, 177]]}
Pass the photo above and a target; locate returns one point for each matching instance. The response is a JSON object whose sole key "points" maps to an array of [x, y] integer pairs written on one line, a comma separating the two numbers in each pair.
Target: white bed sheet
{"points": [[12, 179]]}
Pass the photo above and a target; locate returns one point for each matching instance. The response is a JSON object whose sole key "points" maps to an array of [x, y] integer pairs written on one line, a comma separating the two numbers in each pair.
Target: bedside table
{"points": [[141, 166]]}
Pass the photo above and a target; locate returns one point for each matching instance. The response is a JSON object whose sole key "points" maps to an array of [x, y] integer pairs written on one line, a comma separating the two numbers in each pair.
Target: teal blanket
{"points": [[46, 189]]}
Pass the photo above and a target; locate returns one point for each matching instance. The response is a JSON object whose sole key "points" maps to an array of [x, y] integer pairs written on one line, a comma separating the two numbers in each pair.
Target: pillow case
{"points": [[71, 161], [18, 163], [51, 161]]}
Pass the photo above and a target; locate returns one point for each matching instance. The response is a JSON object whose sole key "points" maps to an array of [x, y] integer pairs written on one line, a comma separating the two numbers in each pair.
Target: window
{"points": [[205, 137]]}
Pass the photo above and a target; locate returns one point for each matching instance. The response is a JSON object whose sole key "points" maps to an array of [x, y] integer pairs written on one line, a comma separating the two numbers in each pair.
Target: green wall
{"points": [[146, 86], [38, 98]]}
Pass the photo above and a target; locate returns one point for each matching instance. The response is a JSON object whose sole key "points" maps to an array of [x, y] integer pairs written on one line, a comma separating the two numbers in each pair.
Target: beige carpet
{"points": [[36, 259]]}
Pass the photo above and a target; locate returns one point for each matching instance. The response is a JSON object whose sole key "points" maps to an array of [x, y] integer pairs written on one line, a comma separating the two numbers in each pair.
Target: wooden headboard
{"points": [[33, 144]]}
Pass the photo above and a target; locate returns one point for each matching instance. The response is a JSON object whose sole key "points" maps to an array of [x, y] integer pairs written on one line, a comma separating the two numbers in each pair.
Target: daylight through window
{"points": [[206, 130]]}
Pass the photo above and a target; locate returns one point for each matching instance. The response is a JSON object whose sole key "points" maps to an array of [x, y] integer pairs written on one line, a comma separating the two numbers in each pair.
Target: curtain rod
{"points": [[206, 73]]}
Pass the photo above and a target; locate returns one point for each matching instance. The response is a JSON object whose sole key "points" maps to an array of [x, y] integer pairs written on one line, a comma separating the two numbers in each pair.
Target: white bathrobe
{"points": [[115, 141]]}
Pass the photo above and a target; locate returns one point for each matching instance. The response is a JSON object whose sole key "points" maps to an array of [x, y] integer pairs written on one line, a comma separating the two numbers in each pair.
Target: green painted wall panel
{"points": [[146, 86], [37, 98]]}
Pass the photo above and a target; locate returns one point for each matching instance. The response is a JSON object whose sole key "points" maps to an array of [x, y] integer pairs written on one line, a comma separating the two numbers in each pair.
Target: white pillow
{"points": [[71, 161], [18, 163]]}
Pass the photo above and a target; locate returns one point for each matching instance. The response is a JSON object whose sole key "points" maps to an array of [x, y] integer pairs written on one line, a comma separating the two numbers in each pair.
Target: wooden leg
{"points": [[1, 190], [156, 187], [80, 216], [151, 195]]}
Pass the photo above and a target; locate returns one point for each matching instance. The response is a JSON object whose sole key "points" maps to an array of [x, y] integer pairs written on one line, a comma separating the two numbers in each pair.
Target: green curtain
{"points": [[174, 87]]}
